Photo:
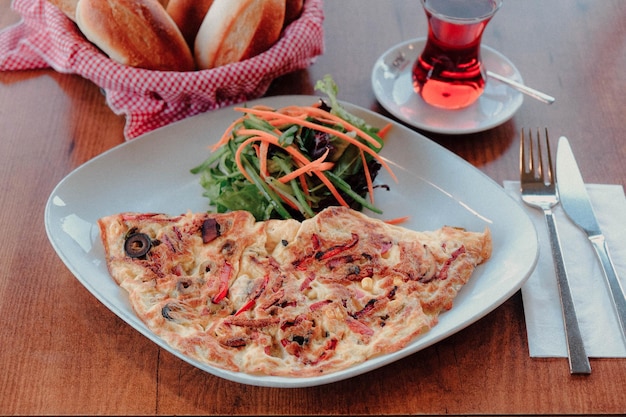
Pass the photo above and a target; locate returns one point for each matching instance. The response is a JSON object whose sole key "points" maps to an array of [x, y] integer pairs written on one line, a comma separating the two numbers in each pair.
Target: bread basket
{"points": [[46, 38]]}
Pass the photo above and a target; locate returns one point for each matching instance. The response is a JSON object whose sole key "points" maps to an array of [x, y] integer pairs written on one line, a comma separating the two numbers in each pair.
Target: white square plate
{"points": [[151, 174]]}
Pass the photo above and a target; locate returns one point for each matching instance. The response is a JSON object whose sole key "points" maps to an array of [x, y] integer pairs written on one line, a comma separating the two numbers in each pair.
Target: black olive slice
{"points": [[165, 312], [210, 230], [137, 245]]}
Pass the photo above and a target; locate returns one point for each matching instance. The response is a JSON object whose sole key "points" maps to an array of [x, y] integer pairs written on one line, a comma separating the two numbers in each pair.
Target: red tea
{"points": [[449, 72]]}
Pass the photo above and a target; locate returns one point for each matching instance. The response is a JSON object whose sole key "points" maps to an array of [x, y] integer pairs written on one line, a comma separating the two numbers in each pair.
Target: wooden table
{"points": [[63, 352]]}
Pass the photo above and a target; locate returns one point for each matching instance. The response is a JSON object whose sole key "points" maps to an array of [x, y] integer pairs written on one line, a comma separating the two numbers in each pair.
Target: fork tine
{"points": [[525, 160], [549, 155], [529, 167], [539, 169], [532, 157], [522, 154]]}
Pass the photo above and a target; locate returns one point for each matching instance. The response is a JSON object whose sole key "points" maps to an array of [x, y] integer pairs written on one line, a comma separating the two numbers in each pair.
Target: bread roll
{"points": [[68, 7], [188, 15], [234, 30], [138, 33], [293, 10]]}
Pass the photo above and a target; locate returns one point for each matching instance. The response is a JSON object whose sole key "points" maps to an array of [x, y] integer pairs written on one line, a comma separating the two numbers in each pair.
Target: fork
{"points": [[539, 190]]}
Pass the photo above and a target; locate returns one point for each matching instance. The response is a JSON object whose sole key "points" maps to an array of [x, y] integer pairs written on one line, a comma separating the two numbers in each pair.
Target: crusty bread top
{"points": [[188, 15], [234, 30], [68, 7], [138, 33]]}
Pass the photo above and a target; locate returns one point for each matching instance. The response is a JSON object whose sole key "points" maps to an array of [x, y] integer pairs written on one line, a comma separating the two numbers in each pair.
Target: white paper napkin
{"points": [[596, 316]]}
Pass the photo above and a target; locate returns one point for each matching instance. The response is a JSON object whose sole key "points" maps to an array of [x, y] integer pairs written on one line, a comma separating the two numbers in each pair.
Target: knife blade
{"points": [[576, 204]]}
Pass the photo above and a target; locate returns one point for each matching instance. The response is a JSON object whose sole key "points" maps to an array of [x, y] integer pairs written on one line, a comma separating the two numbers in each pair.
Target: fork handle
{"points": [[578, 360]]}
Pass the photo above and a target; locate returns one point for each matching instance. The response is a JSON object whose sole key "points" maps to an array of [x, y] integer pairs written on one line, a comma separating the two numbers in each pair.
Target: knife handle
{"points": [[578, 360], [617, 291]]}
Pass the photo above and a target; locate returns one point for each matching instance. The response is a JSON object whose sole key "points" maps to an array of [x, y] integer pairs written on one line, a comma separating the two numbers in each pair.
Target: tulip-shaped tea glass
{"points": [[449, 73]]}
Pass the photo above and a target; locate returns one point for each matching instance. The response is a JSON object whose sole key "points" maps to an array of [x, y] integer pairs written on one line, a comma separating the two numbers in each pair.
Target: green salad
{"points": [[295, 161]]}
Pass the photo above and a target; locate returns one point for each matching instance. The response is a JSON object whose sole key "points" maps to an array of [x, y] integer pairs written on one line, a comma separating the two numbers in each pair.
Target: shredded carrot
{"points": [[298, 115], [398, 220], [263, 107], [329, 130], [263, 149], [294, 152], [305, 186], [298, 109], [273, 140], [283, 197], [316, 165], [226, 136], [384, 130], [368, 177], [332, 188], [238, 158], [268, 139], [257, 150], [329, 117], [312, 111], [294, 111]]}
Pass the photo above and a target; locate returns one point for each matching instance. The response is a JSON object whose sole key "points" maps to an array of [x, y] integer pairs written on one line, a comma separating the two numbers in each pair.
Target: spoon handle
{"points": [[523, 88]]}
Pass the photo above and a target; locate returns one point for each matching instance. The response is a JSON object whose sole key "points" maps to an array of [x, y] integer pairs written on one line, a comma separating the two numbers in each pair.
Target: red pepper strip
{"points": [[315, 240], [248, 304], [319, 304], [368, 307], [307, 282], [329, 348], [179, 234], [224, 280], [443, 273], [291, 347], [303, 263], [331, 344], [335, 250], [358, 327]]}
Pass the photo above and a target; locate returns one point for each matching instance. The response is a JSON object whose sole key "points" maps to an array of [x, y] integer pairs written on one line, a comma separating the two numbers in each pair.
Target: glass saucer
{"points": [[392, 84]]}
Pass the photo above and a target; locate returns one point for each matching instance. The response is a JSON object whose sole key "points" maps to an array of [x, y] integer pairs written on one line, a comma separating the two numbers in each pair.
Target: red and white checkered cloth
{"points": [[46, 38]]}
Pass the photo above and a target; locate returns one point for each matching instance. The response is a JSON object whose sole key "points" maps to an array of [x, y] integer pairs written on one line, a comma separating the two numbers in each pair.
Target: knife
{"points": [[576, 204]]}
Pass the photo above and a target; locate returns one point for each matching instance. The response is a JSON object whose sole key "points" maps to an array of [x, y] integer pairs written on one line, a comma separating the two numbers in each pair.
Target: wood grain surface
{"points": [[63, 352]]}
